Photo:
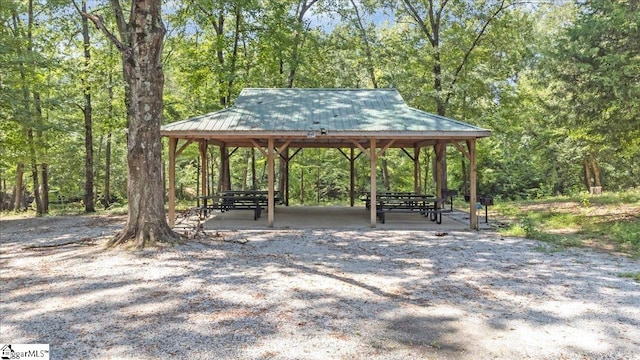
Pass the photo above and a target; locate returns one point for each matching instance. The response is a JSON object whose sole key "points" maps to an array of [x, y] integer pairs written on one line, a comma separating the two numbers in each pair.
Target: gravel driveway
{"points": [[313, 294]]}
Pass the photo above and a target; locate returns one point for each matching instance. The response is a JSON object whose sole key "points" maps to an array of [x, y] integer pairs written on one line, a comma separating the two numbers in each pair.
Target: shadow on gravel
{"points": [[321, 294]]}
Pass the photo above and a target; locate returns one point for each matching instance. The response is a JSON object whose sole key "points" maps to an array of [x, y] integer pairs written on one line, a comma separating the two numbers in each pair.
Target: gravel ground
{"points": [[310, 294]]}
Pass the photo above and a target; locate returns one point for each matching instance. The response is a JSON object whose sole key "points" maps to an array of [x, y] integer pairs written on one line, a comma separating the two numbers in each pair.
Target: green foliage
{"points": [[565, 221], [554, 82]]}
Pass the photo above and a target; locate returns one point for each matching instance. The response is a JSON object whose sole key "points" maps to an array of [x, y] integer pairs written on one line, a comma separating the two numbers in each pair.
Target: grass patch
{"points": [[610, 221], [631, 275]]}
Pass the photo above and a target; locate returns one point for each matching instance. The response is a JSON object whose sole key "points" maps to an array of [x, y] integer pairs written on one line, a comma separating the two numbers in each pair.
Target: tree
{"points": [[449, 49], [140, 44], [597, 63], [87, 111]]}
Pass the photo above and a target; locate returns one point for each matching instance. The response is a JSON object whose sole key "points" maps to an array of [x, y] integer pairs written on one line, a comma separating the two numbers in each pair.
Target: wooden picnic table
{"points": [[401, 202], [255, 200]]}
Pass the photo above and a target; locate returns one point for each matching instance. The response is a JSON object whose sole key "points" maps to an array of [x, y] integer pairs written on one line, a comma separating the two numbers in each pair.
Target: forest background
{"points": [[557, 82]]}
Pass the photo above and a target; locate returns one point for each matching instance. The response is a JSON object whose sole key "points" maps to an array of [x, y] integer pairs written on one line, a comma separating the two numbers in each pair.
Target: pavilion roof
{"points": [[348, 113]]}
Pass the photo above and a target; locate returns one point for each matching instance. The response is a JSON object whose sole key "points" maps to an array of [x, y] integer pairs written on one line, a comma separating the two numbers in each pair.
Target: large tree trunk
{"points": [[44, 187], [141, 49], [385, 173], [587, 173], [282, 171], [89, 206], [596, 172], [34, 173]]}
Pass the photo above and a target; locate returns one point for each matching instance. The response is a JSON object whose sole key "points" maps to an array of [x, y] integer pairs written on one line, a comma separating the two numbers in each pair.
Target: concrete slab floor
{"points": [[333, 217]]}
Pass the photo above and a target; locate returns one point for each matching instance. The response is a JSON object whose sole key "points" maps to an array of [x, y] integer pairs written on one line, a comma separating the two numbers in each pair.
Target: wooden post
{"points": [[374, 202], [286, 176], [173, 143], [416, 171], [439, 149], [352, 177], [225, 170], [471, 144], [271, 179], [202, 147]]}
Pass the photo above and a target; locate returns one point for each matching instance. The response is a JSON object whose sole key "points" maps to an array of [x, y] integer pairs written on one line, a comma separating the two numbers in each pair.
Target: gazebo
{"points": [[369, 120]]}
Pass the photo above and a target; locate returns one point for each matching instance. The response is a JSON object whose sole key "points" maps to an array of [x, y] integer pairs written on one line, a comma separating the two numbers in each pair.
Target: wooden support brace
{"points": [[262, 150], [283, 147], [364, 151], [462, 150], [379, 153], [184, 146]]}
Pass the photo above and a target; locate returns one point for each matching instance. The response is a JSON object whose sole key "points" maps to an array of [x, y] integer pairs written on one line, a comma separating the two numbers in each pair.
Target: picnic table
{"points": [[366, 196], [255, 200], [402, 202]]}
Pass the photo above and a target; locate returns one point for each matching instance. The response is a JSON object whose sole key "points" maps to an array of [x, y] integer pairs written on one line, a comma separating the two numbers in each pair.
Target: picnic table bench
{"points": [[426, 205]]}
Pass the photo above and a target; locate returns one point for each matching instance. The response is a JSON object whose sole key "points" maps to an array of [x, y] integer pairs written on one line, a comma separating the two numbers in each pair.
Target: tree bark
{"points": [[140, 45], [44, 187], [596, 172], [34, 173], [89, 205], [385, 173], [283, 161], [587, 173]]}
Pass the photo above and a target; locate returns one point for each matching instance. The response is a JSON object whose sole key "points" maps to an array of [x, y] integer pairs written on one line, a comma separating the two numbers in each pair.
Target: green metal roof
{"points": [[334, 110]]}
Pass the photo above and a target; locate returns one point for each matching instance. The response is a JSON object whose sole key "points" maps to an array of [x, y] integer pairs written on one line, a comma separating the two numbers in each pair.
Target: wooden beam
{"points": [[381, 152], [173, 143], [416, 171], [352, 177], [440, 151], [182, 147], [364, 151], [281, 150], [271, 179], [263, 151], [373, 162], [284, 146], [462, 150], [473, 218], [202, 147]]}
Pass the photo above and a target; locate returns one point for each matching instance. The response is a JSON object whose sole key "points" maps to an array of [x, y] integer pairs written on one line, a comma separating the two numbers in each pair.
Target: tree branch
{"points": [[414, 14], [99, 23], [475, 43]]}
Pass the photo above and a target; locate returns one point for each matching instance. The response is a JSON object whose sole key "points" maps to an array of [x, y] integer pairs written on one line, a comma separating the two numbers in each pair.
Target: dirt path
{"points": [[309, 294]]}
